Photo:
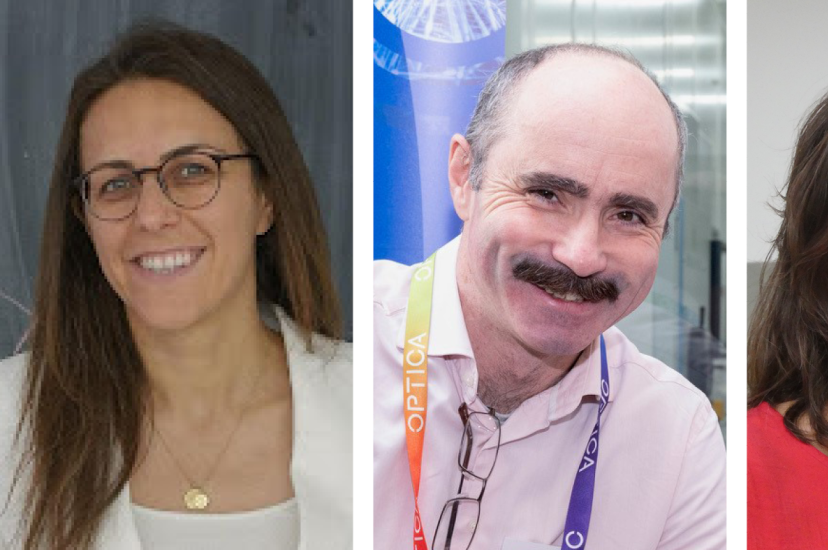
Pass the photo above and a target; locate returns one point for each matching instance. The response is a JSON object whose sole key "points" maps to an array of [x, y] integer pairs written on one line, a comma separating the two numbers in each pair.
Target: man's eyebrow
{"points": [[554, 182], [643, 205]]}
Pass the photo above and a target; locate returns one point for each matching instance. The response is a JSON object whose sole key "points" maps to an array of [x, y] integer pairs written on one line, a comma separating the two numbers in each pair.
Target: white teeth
{"points": [[568, 297], [166, 263]]}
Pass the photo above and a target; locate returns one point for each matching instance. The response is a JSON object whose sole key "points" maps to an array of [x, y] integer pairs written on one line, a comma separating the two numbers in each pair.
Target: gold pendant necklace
{"points": [[195, 497]]}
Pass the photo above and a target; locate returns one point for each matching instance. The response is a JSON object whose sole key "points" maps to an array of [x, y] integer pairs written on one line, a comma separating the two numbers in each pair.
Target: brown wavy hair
{"points": [[788, 337], [85, 388]]}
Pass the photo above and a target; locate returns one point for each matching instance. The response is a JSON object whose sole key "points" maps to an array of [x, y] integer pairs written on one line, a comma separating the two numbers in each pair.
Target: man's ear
{"points": [[459, 168]]}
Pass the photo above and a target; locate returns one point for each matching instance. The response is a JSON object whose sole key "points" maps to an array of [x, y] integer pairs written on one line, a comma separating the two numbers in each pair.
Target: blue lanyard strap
{"points": [[580, 503]]}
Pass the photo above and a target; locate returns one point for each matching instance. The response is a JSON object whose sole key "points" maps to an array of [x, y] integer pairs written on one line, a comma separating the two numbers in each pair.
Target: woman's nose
{"points": [[154, 209]]}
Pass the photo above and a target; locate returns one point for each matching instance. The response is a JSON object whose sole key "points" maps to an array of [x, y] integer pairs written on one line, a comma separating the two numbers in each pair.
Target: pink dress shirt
{"points": [[660, 479]]}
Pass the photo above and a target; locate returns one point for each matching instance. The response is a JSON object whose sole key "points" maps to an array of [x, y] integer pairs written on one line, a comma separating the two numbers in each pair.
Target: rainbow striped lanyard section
{"points": [[415, 379]]}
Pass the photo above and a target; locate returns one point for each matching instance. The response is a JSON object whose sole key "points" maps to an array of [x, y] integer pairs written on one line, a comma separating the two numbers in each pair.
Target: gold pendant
{"points": [[196, 499]]}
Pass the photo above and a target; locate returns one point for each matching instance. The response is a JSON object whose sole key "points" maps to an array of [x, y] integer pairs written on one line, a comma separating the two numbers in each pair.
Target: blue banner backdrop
{"points": [[430, 64]]}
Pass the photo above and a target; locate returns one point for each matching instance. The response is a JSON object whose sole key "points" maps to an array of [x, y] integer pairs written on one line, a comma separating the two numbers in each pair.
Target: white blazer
{"points": [[321, 466]]}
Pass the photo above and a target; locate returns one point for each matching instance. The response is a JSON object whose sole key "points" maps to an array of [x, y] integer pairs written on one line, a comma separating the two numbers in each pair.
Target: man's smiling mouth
{"points": [[567, 297], [562, 283]]}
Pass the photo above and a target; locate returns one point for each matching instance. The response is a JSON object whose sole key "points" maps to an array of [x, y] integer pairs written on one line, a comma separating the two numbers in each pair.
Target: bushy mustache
{"points": [[562, 280]]}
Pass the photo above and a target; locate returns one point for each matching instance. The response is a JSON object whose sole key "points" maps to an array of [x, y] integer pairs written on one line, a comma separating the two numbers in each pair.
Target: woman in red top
{"points": [[788, 363]]}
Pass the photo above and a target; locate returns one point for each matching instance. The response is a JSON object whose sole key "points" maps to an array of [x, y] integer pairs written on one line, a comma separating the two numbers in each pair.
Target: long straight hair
{"points": [[85, 389], [788, 337]]}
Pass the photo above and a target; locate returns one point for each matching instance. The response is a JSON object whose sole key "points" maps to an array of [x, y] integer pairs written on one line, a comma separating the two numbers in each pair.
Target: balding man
{"points": [[488, 419]]}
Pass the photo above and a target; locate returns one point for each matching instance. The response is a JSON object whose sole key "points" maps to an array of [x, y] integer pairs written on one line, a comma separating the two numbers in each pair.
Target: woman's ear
{"points": [[76, 204], [265, 216]]}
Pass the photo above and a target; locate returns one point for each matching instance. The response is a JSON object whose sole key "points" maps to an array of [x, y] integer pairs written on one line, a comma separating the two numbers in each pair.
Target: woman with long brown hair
{"points": [[185, 387], [788, 362]]}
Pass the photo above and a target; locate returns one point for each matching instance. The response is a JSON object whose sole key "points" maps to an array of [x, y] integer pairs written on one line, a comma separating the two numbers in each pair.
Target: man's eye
{"points": [[630, 217], [544, 195]]}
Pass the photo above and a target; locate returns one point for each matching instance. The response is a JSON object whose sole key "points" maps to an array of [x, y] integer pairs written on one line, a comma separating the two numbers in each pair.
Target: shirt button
{"points": [[468, 379]]}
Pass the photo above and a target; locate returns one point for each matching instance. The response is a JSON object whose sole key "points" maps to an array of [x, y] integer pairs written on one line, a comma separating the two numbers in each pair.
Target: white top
{"points": [[321, 464], [275, 527], [660, 477]]}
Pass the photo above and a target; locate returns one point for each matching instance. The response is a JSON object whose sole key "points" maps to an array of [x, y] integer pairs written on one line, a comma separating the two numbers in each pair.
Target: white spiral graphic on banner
{"points": [[451, 21]]}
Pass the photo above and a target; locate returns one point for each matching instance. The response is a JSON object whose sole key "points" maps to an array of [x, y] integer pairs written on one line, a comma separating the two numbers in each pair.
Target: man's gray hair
{"points": [[486, 125]]}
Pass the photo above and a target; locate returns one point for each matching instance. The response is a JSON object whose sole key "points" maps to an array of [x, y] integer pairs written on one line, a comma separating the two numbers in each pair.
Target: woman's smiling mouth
{"points": [[166, 263]]}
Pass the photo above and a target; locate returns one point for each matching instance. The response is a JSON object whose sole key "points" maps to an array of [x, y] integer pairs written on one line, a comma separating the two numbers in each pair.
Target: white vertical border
{"points": [[363, 151], [737, 274]]}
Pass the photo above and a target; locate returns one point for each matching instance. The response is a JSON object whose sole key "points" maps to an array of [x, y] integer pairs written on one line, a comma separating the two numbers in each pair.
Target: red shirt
{"points": [[787, 486]]}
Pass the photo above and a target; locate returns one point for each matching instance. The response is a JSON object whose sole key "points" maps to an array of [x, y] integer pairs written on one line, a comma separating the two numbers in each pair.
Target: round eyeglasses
{"points": [[191, 180]]}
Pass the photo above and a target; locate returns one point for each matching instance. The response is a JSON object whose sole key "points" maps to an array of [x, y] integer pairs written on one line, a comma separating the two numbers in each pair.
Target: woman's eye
{"points": [[192, 169], [115, 185]]}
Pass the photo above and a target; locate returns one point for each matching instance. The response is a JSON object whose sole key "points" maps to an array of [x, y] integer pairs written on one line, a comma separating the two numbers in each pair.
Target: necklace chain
{"points": [[196, 498]]}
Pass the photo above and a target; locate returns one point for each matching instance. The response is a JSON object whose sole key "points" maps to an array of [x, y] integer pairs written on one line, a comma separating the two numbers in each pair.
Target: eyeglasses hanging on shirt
{"points": [[463, 511]]}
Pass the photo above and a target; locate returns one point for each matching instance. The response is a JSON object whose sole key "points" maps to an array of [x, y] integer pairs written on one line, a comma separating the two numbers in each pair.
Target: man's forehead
{"points": [[579, 106], [574, 69], [595, 84]]}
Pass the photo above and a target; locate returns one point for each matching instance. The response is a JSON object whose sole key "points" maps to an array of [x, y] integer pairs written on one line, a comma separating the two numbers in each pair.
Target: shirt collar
{"points": [[580, 385], [447, 335], [582, 381]]}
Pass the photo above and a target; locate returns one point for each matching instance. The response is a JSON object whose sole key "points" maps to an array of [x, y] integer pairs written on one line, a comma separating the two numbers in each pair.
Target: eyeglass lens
{"points": [[190, 180], [458, 524]]}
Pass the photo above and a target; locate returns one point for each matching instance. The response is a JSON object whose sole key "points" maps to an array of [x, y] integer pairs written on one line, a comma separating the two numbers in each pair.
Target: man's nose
{"points": [[579, 247], [154, 210]]}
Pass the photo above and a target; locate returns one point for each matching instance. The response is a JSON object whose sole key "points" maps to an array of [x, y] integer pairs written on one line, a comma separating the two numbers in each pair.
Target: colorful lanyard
{"points": [[415, 394], [415, 380]]}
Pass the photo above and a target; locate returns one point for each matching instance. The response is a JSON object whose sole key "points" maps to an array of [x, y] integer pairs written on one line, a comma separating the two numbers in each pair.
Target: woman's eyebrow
{"points": [[190, 148], [554, 182], [180, 150], [113, 164]]}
